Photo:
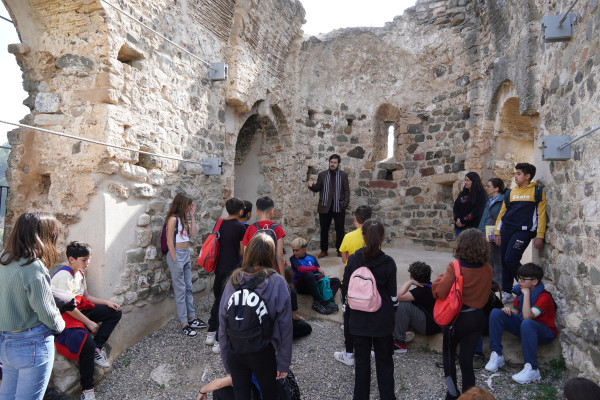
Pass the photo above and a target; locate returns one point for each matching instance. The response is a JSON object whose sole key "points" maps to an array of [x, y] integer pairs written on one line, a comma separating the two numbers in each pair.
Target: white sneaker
{"points": [[410, 335], [343, 358], [88, 395], [216, 348], [496, 361], [507, 297], [527, 375], [210, 338], [100, 358]]}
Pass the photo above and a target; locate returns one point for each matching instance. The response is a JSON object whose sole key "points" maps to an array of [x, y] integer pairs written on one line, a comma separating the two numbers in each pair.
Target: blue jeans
{"points": [[181, 275], [530, 331], [27, 358]]}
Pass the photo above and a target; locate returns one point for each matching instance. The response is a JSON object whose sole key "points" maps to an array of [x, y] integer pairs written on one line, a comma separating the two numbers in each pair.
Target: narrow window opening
{"points": [[390, 142]]}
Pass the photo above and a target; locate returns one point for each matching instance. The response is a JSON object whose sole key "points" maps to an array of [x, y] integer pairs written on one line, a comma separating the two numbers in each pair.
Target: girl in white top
{"points": [[181, 224]]}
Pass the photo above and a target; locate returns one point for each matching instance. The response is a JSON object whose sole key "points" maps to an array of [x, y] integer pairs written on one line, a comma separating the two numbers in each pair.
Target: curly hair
{"points": [[420, 271], [472, 247]]}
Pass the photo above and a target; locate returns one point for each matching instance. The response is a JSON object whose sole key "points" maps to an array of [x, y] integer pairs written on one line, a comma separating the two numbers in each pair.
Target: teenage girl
{"points": [[472, 253], [495, 189], [181, 224], [29, 317], [373, 329], [469, 204], [273, 361]]}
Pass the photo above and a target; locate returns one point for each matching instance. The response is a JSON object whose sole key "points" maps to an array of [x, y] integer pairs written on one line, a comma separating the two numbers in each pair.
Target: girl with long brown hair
{"points": [[268, 358], [29, 317], [181, 224]]}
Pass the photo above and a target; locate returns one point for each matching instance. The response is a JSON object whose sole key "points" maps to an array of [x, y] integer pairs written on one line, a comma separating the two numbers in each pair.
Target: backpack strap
{"points": [[255, 281], [552, 297], [457, 271], [507, 199], [218, 225], [538, 193]]}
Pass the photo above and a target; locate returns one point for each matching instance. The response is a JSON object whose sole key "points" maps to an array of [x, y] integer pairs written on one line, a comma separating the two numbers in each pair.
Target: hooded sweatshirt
{"points": [[524, 213], [275, 292], [381, 322]]}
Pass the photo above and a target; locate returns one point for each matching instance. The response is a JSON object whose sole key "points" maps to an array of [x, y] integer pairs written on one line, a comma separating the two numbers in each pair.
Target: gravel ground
{"points": [[168, 365]]}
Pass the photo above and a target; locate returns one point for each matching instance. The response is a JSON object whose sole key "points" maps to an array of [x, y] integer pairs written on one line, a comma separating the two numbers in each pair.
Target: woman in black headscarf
{"points": [[470, 203]]}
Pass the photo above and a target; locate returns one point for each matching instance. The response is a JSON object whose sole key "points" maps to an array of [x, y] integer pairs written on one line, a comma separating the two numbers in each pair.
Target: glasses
{"points": [[521, 279]]}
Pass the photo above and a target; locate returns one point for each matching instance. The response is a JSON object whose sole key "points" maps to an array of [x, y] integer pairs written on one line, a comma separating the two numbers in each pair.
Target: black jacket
{"points": [[381, 322], [468, 213], [344, 192]]}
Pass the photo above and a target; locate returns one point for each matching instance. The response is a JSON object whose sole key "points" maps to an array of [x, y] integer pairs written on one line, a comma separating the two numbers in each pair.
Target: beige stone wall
{"points": [[465, 84]]}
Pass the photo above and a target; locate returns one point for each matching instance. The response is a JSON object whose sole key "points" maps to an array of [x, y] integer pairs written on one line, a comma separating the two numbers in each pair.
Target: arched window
{"points": [[390, 141]]}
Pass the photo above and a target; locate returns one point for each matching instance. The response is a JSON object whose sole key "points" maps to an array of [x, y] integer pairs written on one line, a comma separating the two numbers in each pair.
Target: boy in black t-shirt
{"points": [[415, 310], [230, 241]]}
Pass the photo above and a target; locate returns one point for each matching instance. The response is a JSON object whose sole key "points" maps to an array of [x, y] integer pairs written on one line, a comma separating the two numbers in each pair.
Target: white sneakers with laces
{"points": [[496, 361], [507, 297], [343, 357], [88, 395], [216, 348], [210, 338], [100, 358], [527, 375]]}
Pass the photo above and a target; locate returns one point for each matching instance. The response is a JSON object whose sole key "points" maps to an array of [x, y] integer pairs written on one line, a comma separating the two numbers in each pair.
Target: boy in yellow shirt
{"points": [[352, 242]]}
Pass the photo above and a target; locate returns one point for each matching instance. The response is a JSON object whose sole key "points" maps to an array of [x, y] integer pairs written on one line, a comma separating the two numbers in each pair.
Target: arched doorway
{"points": [[258, 166]]}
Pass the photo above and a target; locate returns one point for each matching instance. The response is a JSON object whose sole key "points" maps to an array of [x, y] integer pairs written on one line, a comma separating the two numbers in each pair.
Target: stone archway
{"points": [[258, 168]]}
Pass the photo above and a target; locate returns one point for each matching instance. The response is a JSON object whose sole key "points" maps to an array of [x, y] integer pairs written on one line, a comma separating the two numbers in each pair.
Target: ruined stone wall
{"points": [[94, 73], [353, 84]]}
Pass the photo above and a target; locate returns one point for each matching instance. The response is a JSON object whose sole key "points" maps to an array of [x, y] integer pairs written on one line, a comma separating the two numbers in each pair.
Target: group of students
{"points": [[41, 314], [254, 284]]}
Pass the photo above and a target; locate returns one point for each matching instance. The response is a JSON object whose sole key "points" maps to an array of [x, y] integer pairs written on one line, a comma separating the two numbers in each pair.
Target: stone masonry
{"points": [[465, 85]]}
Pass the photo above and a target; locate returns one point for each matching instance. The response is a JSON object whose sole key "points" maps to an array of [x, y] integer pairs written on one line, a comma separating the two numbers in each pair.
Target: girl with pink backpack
{"points": [[370, 290]]}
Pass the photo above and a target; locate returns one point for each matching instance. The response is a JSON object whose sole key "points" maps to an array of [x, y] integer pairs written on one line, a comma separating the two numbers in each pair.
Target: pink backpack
{"points": [[362, 291]]}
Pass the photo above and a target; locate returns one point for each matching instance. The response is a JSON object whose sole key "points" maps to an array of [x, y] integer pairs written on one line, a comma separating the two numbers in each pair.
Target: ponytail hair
{"points": [[373, 232], [498, 183]]}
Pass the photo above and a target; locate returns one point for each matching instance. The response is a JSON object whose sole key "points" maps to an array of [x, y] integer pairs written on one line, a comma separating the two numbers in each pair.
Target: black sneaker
{"points": [[332, 307], [188, 331], [197, 324], [478, 361], [319, 307]]}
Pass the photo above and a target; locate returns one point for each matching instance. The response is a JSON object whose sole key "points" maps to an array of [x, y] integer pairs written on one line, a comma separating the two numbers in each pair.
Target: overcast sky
{"points": [[322, 16]]}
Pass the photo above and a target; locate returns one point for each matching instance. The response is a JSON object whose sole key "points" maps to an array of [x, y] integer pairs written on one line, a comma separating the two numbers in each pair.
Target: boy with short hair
{"points": [[531, 317], [231, 233], [247, 214], [522, 218], [352, 241], [415, 308], [265, 209], [307, 274], [74, 342]]}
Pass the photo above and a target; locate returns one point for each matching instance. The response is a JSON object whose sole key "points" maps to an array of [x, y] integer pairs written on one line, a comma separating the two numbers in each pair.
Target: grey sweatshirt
{"points": [[275, 292]]}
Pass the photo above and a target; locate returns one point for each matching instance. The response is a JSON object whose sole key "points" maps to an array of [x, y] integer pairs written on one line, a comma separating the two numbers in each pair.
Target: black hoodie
{"points": [[381, 322]]}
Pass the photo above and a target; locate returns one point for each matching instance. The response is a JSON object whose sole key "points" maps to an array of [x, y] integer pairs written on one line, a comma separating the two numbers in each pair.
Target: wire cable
{"points": [[6, 19], [158, 34], [102, 143]]}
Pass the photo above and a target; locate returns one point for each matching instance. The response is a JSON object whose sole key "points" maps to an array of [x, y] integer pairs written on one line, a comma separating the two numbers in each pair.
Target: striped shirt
{"points": [[26, 298]]}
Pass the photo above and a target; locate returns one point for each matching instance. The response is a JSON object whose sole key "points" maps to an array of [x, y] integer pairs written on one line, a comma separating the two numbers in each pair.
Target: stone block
{"points": [[49, 119], [156, 177], [357, 152], [47, 102], [119, 190], [143, 220], [135, 256], [74, 61], [143, 237], [383, 184], [97, 95], [134, 172]]}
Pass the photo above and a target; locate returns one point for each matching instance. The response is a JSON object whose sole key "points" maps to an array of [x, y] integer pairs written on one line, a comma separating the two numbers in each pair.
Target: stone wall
{"points": [[464, 85]]}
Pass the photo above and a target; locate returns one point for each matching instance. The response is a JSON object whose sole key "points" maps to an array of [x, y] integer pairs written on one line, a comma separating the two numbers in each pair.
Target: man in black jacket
{"points": [[334, 197]]}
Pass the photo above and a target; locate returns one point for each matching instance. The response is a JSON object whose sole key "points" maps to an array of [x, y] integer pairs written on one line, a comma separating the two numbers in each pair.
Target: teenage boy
{"points": [[531, 318], [415, 310], [307, 272], [231, 233], [75, 342], [334, 197], [352, 242], [265, 209], [522, 218]]}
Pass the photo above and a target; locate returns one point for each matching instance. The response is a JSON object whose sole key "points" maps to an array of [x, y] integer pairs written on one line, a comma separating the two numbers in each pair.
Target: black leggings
{"points": [[264, 367], [466, 332], [86, 363]]}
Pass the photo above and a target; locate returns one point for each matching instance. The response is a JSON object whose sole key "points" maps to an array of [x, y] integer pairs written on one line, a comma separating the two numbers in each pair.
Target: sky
{"points": [[322, 16]]}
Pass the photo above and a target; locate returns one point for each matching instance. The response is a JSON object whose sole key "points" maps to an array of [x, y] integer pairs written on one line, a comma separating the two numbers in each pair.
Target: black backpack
{"points": [[266, 229], [248, 326]]}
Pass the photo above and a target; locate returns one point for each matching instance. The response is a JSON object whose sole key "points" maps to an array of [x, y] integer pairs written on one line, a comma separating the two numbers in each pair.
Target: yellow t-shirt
{"points": [[352, 242]]}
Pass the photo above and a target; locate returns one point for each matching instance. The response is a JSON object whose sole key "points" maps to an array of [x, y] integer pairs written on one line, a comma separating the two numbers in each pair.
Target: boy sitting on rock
{"points": [[531, 318], [308, 276], [76, 342]]}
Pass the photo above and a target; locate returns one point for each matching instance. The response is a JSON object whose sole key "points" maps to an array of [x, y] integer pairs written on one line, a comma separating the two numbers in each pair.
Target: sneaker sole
{"points": [[527, 381], [400, 351]]}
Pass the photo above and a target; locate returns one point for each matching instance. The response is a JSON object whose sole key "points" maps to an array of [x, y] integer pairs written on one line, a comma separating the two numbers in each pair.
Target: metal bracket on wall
{"points": [[558, 148], [558, 28], [218, 71], [213, 166]]}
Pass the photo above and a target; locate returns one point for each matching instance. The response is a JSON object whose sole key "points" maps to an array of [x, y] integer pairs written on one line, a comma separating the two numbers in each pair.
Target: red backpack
{"points": [[209, 254], [445, 311]]}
